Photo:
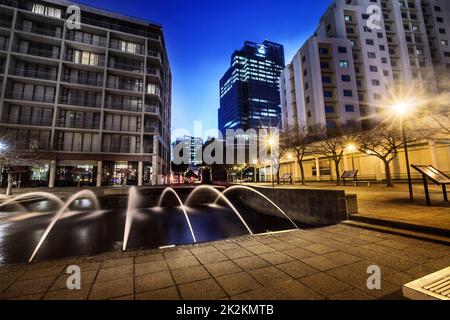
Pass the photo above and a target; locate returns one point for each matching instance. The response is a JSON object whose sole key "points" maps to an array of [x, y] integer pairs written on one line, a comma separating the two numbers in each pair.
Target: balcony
{"points": [[20, 95], [100, 62], [52, 54], [40, 31], [154, 54], [126, 87], [152, 109], [92, 41], [77, 124], [154, 72], [148, 149], [119, 47], [27, 121], [33, 74], [75, 101], [5, 23], [98, 82], [119, 149], [4, 46], [151, 129], [127, 67]]}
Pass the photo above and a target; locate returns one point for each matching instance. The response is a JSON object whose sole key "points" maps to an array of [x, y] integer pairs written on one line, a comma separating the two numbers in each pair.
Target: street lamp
{"points": [[271, 144], [255, 163], [401, 109], [290, 158], [3, 148], [352, 148]]}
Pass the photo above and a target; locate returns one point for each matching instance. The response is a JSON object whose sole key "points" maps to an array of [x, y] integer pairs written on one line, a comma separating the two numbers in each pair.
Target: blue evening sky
{"points": [[201, 35]]}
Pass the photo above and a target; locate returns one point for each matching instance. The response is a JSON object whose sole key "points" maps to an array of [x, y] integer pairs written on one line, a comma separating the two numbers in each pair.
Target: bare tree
{"points": [[443, 123], [298, 140], [384, 142], [12, 158]]}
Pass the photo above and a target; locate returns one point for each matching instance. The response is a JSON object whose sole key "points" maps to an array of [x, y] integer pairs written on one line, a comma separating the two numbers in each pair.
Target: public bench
{"points": [[435, 286]]}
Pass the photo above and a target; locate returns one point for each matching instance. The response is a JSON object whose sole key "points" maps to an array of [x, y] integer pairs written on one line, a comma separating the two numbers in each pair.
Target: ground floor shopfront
{"points": [[84, 173]]}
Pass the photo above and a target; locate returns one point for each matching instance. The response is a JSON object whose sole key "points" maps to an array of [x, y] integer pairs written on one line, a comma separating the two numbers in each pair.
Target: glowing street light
{"points": [[270, 144], [402, 108], [352, 148]]}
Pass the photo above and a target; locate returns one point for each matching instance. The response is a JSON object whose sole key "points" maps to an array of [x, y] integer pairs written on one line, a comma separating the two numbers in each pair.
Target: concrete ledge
{"points": [[307, 206]]}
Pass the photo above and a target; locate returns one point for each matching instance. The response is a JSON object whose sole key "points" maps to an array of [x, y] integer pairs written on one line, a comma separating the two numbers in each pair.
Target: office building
{"points": [[249, 90]]}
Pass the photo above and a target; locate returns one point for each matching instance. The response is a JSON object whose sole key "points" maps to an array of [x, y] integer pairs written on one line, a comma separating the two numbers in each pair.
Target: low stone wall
{"points": [[312, 207]]}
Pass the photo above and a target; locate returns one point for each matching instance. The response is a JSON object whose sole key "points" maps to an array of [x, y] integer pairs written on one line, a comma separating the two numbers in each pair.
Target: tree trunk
{"points": [[302, 172], [388, 174], [10, 184], [338, 173]]}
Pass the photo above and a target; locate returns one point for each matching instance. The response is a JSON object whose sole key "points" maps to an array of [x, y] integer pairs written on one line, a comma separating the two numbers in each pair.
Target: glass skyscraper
{"points": [[250, 90]]}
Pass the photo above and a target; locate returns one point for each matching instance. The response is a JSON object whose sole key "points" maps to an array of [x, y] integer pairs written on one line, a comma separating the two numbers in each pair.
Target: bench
{"points": [[287, 177], [435, 286], [436, 176]]}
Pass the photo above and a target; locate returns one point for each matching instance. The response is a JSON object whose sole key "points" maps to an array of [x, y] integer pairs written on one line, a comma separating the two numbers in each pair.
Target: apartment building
{"points": [[94, 103], [347, 70]]}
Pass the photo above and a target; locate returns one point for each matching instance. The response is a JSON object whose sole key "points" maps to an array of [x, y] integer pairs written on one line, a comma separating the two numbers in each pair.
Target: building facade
{"points": [[249, 90], [344, 73], [93, 103]]}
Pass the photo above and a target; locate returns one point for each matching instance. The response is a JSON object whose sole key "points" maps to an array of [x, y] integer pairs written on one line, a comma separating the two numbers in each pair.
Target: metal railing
{"points": [[127, 67], [41, 31], [154, 54], [75, 38], [120, 106], [20, 95], [31, 121], [154, 72], [119, 128], [5, 23], [74, 101], [4, 46], [138, 49], [37, 52], [33, 74], [83, 81], [77, 124], [120, 149], [152, 109], [126, 87], [71, 58]]}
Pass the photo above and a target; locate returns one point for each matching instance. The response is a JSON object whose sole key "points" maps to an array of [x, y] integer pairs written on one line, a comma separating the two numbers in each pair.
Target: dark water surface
{"points": [[86, 232]]}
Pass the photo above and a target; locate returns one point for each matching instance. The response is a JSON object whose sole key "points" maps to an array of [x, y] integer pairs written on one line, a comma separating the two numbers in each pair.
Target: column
{"points": [[99, 173], [140, 174], [434, 158], [52, 176], [317, 169]]}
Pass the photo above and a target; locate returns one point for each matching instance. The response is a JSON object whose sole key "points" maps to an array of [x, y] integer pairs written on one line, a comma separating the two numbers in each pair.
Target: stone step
{"points": [[400, 232], [401, 225]]}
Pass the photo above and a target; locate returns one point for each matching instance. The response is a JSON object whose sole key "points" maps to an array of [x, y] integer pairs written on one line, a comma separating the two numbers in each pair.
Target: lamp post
{"points": [[270, 144], [352, 148], [401, 109], [290, 158], [255, 163], [3, 148]]}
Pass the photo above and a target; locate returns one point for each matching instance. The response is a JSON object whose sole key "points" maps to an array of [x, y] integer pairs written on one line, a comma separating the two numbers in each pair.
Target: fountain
{"points": [[100, 230], [133, 198], [260, 194], [82, 194], [224, 198], [161, 198]]}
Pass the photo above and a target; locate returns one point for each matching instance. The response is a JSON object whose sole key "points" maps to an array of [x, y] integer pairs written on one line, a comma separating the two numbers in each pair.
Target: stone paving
{"points": [[323, 263]]}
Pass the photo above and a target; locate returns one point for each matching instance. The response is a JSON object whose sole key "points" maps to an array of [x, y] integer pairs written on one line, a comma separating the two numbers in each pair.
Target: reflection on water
{"points": [[86, 232]]}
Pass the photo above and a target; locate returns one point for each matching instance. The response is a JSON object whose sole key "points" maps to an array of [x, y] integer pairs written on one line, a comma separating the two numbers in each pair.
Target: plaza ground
{"points": [[320, 263]]}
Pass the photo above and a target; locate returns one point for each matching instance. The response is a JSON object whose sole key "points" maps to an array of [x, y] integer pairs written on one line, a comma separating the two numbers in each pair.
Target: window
{"points": [[342, 49], [375, 82], [326, 79], [349, 108], [348, 18], [47, 11], [323, 51], [343, 64], [324, 65], [371, 55], [329, 109], [444, 42], [328, 94], [348, 93], [346, 78], [373, 68], [370, 42]]}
